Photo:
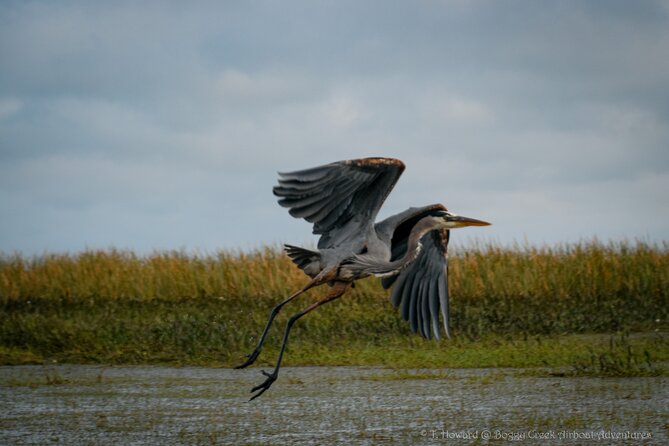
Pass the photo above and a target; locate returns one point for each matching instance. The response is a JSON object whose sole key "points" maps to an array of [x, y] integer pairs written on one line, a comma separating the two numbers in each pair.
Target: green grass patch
{"points": [[510, 307], [542, 351], [623, 357]]}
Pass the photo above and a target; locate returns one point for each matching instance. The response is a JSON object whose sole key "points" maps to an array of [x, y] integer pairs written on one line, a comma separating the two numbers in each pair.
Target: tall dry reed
{"points": [[116, 305]]}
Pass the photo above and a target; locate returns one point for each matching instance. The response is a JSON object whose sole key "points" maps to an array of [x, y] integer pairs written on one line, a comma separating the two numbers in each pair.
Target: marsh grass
{"points": [[620, 359], [174, 307]]}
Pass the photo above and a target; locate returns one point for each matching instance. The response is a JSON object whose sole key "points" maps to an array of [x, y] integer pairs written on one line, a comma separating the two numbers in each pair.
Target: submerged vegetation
{"points": [[518, 306]]}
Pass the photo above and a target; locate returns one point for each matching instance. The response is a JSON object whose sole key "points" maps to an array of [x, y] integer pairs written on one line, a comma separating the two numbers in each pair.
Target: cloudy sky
{"points": [[155, 125]]}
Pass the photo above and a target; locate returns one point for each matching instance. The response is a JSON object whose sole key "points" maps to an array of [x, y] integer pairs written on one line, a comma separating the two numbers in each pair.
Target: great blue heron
{"points": [[407, 250]]}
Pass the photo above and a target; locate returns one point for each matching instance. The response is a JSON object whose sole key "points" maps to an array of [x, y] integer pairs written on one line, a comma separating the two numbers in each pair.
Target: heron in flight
{"points": [[407, 251]]}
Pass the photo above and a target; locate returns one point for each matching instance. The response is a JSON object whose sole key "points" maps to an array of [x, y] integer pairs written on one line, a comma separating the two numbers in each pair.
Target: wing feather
{"points": [[334, 208], [443, 297], [396, 297], [332, 195], [414, 300], [425, 308], [421, 289], [406, 297], [434, 306], [307, 175], [309, 207]]}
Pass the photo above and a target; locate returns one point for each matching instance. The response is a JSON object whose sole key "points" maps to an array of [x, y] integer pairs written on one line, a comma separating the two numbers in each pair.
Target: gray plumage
{"points": [[408, 251]]}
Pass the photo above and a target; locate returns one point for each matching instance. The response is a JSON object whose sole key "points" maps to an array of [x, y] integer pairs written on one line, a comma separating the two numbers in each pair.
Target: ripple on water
{"points": [[315, 405]]}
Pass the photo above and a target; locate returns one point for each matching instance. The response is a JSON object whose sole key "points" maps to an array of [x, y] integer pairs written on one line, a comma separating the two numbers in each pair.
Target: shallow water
{"points": [[71, 404]]}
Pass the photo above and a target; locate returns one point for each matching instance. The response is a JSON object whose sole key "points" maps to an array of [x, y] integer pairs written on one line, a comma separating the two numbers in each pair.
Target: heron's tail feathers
{"points": [[309, 261]]}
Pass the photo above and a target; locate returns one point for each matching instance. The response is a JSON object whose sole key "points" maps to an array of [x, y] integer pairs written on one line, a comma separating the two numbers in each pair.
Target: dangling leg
{"points": [[321, 278], [337, 290], [254, 354]]}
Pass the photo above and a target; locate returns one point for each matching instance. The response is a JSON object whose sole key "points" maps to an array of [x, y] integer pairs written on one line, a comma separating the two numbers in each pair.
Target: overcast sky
{"points": [[161, 125]]}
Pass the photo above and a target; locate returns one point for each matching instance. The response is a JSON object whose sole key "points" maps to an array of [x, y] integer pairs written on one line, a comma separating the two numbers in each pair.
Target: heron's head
{"points": [[450, 220]]}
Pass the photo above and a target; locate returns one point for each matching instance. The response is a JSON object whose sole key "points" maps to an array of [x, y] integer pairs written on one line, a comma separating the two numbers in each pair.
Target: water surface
{"points": [[72, 404]]}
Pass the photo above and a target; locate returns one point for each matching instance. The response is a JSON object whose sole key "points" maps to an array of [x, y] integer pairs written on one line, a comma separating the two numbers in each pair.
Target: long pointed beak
{"points": [[461, 222]]}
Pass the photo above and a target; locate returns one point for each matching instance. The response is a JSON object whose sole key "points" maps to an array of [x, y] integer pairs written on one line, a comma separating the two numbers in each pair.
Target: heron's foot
{"points": [[251, 359], [271, 377]]}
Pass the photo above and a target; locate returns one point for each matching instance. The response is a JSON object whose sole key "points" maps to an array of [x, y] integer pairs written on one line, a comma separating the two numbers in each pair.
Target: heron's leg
{"points": [[254, 354], [336, 291]]}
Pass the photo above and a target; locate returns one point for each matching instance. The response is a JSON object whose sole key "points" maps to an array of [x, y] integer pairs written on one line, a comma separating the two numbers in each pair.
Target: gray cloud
{"points": [[159, 125]]}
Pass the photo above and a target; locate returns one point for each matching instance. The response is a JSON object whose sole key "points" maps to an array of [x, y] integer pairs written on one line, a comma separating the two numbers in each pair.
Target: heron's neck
{"points": [[382, 268], [421, 228]]}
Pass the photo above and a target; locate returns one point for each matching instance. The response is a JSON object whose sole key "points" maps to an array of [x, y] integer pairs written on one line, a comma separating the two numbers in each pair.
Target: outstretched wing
{"points": [[341, 198], [421, 289]]}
